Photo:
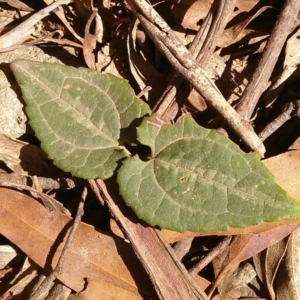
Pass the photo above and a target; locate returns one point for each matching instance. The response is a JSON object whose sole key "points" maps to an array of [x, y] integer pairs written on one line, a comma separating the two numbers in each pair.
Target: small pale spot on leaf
{"points": [[197, 192]]}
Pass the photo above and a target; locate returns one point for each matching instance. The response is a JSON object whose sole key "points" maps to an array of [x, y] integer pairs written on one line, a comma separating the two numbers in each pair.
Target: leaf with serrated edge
{"points": [[78, 114], [198, 180]]}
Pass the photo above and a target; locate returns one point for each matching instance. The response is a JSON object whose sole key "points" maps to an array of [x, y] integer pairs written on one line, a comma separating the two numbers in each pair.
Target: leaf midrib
{"points": [[58, 97]]}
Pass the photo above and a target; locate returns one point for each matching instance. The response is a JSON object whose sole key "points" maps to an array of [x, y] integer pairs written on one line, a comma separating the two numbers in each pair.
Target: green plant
{"points": [[194, 179]]}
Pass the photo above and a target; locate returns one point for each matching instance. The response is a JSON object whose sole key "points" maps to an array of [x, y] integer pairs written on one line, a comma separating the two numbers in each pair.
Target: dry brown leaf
{"points": [[235, 285], [292, 55], [291, 62], [84, 8], [89, 44], [246, 246], [274, 256], [295, 145], [287, 283], [25, 159], [286, 169], [189, 12], [267, 263], [173, 236], [202, 282], [244, 6], [237, 32], [97, 288], [141, 68], [61, 15], [18, 5], [104, 259], [59, 292]]}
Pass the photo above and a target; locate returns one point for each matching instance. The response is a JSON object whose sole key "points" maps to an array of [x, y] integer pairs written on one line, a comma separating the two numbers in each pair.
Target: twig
{"points": [[20, 32], [259, 80], [220, 14], [144, 91], [28, 44], [45, 182], [169, 277], [201, 49], [18, 5], [291, 62], [48, 201], [61, 15], [208, 258], [287, 113], [46, 285], [183, 62]]}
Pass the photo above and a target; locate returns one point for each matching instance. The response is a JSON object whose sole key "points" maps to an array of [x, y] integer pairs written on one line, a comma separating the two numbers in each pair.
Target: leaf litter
{"points": [[231, 66]]}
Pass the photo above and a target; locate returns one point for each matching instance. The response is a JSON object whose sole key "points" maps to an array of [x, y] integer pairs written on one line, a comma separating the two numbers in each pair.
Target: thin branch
{"points": [[22, 31], [183, 62], [47, 200], [286, 114], [47, 183], [208, 258], [157, 257], [220, 14], [46, 285], [201, 49], [259, 80]]}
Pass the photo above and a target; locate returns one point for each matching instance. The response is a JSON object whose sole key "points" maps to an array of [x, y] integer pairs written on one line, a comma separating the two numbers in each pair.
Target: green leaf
{"points": [[78, 115], [198, 180]]}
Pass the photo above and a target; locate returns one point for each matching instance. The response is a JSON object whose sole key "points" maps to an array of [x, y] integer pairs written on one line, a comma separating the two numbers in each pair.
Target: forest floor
{"points": [[230, 67]]}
